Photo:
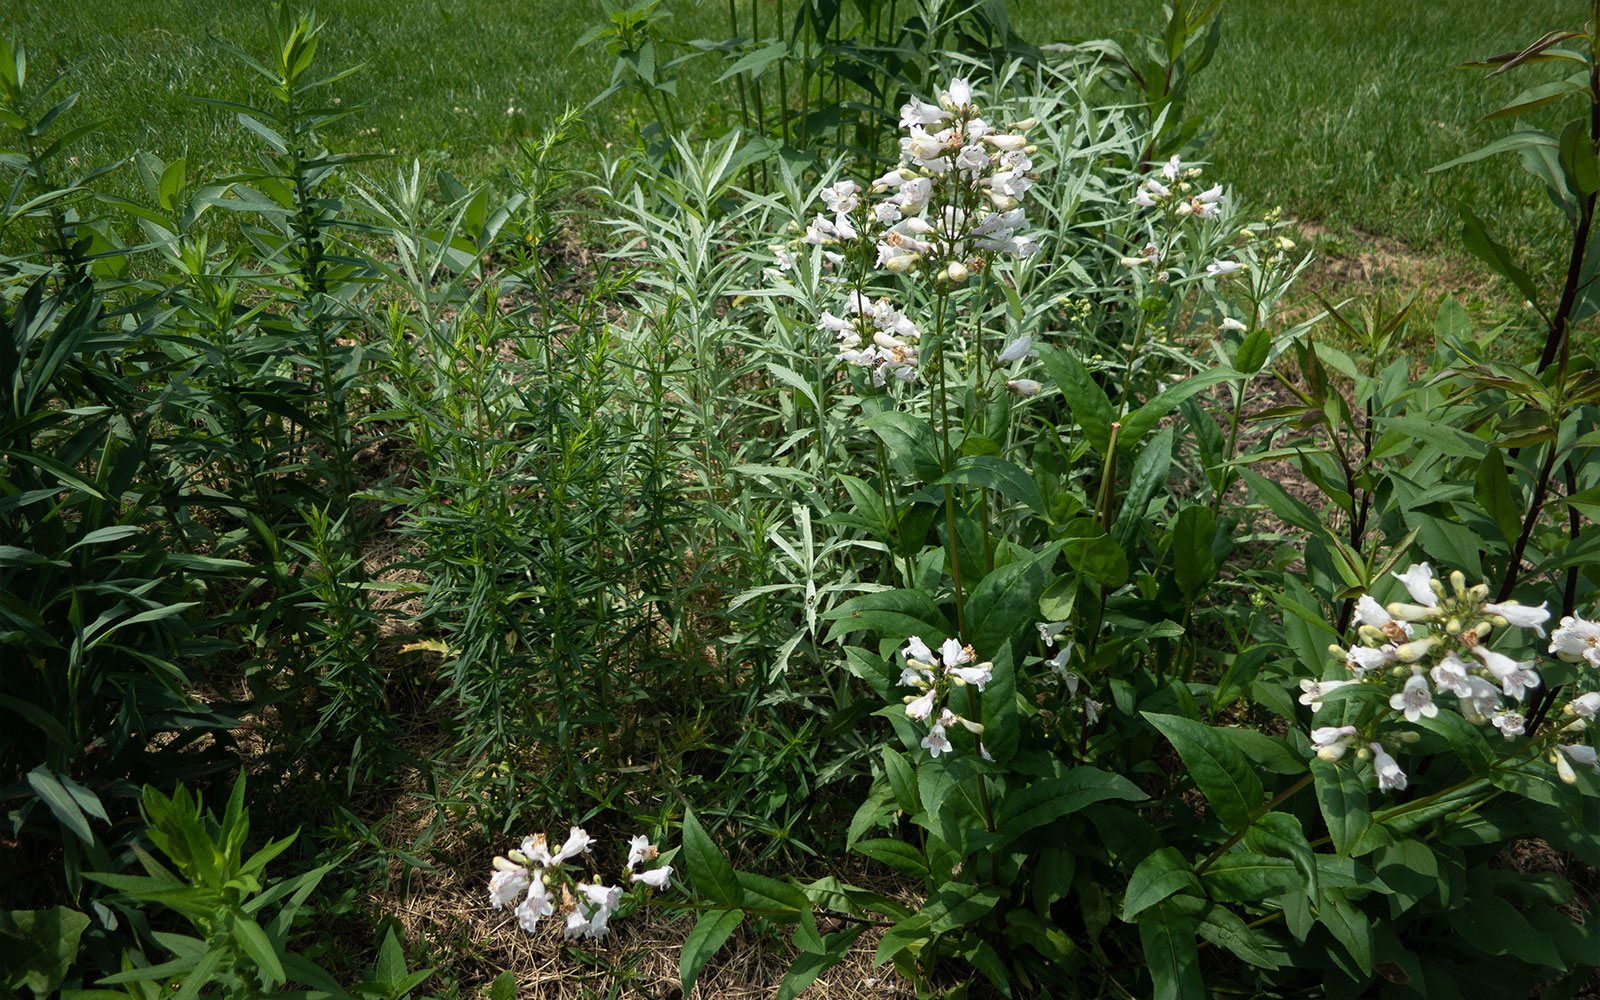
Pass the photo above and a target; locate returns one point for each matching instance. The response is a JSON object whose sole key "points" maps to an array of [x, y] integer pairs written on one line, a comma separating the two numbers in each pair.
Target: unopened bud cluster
{"points": [[1436, 644], [552, 887]]}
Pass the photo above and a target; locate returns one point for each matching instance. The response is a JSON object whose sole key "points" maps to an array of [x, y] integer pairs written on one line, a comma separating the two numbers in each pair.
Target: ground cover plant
{"points": [[908, 513]]}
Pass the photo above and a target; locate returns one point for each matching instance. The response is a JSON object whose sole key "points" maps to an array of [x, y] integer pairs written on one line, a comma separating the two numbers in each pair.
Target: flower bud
{"points": [[1362, 753], [956, 273], [1416, 649], [1479, 593], [1458, 581], [1453, 626], [1408, 736]]}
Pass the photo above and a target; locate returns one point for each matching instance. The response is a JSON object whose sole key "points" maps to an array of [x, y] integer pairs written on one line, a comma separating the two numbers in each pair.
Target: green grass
{"points": [[1332, 110]]}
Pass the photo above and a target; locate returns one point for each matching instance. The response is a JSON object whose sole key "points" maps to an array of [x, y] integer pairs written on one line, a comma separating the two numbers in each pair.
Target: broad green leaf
{"points": [[1006, 602], [892, 614], [1253, 351], [60, 802], [1516, 142], [1249, 877], [710, 931], [1087, 401], [1149, 475], [504, 986], [1493, 493], [708, 870], [41, 948], [1537, 97], [1048, 799], [1138, 423], [1349, 925], [897, 854], [1158, 876], [995, 473], [909, 441], [1478, 241], [254, 941], [902, 780], [1219, 770], [1343, 800], [1170, 953], [1192, 564]]}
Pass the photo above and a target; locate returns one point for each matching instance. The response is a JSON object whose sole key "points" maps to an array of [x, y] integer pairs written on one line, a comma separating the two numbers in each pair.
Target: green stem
{"points": [[1268, 807]]}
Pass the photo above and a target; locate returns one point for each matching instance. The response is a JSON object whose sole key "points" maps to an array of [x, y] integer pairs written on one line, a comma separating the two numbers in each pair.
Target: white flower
{"points": [[842, 198], [1481, 700], [971, 160], [920, 708], [1173, 169], [640, 849], [977, 676], [535, 906], [1018, 349], [1312, 691], [655, 878], [1092, 710], [1575, 639], [1586, 706], [1049, 632], [1232, 324], [1509, 723], [916, 112], [1024, 387], [958, 96], [984, 753], [1390, 777], [955, 654], [1223, 268], [1005, 142], [538, 851], [577, 843], [1580, 754], [1362, 660], [1415, 700], [935, 742], [1419, 582], [603, 902], [1515, 677], [1331, 742], [1520, 615], [1453, 674], [506, 885]]}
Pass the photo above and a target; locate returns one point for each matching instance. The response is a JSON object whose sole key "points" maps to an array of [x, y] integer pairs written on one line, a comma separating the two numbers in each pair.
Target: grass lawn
{"points": [[1332, 110]]}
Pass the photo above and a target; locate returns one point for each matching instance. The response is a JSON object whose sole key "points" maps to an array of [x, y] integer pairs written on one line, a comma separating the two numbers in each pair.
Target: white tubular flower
{"points": [[535, 906], [1515, 677], [1312, 692], [920, 708], [1223, 268], [971, 160], [1575, 639], [1232, 324], [914, 194], [1372, 614], [1331, 742], [1132, 261], [842, 198], [1520, 615], [1004, 142], [538, 851], [916, 112], [1024, 387], [640, 849], [1453, 674], [1415, 700], [1586, 706], [955, 655], [577, 843], [1049, 632], [958, 96], [506, 885], [1390, 777], [1018, 349], [1363, 660], [977, 676], [895, 177], [1092, 710], [936, 742], [984, 752], [1416, 649], [1510, 724], [1173, 169], [1204, 205], [1579, 754], [577, 924], [886, 213], [1482, 700], [1419, 583], [917, 651], [655, 878]]}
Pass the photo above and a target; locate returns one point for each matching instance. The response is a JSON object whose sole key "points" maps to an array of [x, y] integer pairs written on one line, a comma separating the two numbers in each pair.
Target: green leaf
{"points": [[755, 63], [1493, 493], [1343, 800], [995, 473], [40, 947], [897, 854], [1170, 953], [1087, 401], [1157, 877], [902, 780], [708, 870], [1516, 142], [1004, 603], [1192, 563], [1478, 241], [1538, 97], [504, 986], [60, 802], [708, 935], [892, 614], [1219, 770], [1281, 503], [254, 941], [1138, 423], [1149, 475], [1048, 799], [1249, 877], [1349, 925], [910, 442], [1253, 351]]}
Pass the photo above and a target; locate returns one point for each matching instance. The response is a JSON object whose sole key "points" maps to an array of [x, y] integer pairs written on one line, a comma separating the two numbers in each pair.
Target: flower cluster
{"points": [[875, 335], [551, 888], [1435, 645], [933, 676], [1175, 196]]}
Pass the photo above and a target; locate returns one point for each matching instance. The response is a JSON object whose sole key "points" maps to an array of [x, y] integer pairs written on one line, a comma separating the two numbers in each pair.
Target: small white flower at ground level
{"points": [[537, 851], [577, 843], [535, 906], [1520, 615], [1575, 639], [1579, 754], [1515, 676], [506, 885], [936, 742], [1390, 777], [655, 878], [1415, 700], [639, 850]]}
